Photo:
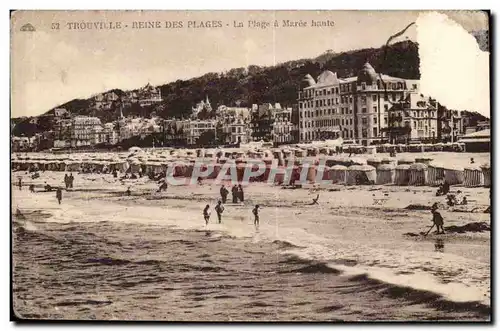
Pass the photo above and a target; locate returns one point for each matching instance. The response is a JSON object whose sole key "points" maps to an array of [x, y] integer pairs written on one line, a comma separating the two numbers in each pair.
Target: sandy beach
{"points": [[149, 256]]}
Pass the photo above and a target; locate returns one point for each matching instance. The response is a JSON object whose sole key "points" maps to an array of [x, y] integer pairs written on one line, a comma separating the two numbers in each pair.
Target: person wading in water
{"points": [[223, 193], [219, 209], [234, 191], [206, 214], [255, 212], [241, 193], [59, 195]]}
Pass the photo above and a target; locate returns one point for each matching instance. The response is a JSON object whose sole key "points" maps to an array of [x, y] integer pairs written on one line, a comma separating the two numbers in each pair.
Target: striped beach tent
{"points": [[473, 176], [386, 174], [424, 160], [361, 175], [435, 174], [390, 160], [418, 174], [486, 168], [406, 161], [402, 177], [454, 175], [338, 174], [325, 171], [374, 161]]}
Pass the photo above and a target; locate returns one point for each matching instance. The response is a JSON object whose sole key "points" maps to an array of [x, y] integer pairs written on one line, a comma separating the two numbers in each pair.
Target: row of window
{"points": [[285, 129], [328, 122], [324, 112], [308, 136], [364, 133]]}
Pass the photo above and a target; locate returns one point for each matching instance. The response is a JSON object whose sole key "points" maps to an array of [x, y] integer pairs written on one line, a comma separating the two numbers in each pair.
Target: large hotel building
{"points": [[352, 108]]}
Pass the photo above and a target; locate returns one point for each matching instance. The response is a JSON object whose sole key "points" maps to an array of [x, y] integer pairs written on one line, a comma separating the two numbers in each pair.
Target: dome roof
{"points": [[308, 78], [367, 74], [327, 77]]}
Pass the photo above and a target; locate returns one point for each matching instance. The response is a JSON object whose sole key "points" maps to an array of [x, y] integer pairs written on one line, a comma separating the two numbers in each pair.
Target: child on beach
{"points": [[206, 214], [437, 219], [219, 209]]}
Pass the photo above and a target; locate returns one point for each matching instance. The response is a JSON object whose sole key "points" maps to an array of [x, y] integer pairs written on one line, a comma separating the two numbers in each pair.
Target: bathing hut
{"points": [[418, 174], [386, 174], [406, 161], [402, 177], [326, 174], [486, 168], [389, 160], [135, 165], [424, 160], [356, 160], [361, 175], [400, 148], [454, 175], [374, 161], [435, 174], [416, 148], [438, 147], [473, 176], [338, 174]]}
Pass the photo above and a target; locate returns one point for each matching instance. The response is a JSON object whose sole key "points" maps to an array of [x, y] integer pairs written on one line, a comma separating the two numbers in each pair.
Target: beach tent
{"points": [[424, 160], [486, 168], [357, 160], [389, 160], [326, 173], [361, 175], [338, 174], [418, 174], [374, 161], [386, 174], [435, 174], [406, 161], [454, 175], [402, 177], [473, 176]]}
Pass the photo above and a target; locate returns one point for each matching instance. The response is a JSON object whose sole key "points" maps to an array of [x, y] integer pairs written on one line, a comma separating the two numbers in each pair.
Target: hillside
{"points": [[246, 86]]}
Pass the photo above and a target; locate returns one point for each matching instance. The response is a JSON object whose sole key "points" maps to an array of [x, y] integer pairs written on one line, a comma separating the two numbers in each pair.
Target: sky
{"points": [[52, 66]]}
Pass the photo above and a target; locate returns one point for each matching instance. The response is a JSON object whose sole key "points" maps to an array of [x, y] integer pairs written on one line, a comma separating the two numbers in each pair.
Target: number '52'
{"points": [[55, 26]]}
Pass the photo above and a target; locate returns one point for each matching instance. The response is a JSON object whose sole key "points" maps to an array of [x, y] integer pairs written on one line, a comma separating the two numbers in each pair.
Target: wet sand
{"points": [[103, 255]]}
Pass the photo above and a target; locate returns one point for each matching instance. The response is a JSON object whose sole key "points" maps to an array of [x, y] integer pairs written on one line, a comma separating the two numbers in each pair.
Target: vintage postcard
{"points": [[271, 166]]}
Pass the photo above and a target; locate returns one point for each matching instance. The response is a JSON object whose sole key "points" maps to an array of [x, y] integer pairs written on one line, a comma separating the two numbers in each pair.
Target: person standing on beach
{"points": [[59, 195], [71, 180], [20, 183], [223, 193], [234, 191], [66, 180], [240, 193], [219, 209], [255, 212], [206, 214], [437, 219]]}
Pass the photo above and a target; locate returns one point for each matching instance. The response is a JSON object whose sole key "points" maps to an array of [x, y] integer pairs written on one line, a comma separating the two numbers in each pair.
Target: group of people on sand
{"points": [[68, 180], [219, 209], [236, 191]]}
